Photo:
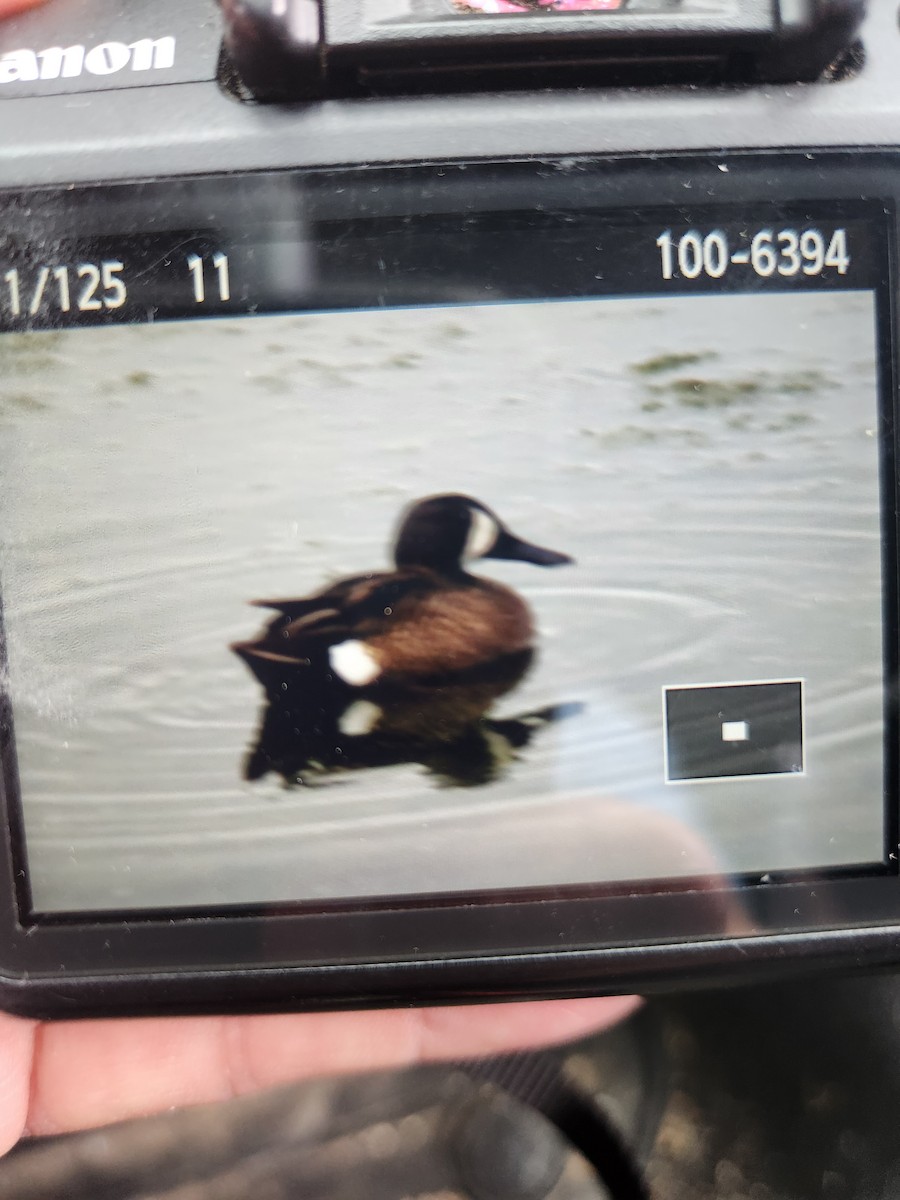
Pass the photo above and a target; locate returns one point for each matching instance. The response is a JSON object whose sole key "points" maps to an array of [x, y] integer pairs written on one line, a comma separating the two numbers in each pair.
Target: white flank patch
{"points": [[482, 534], [354, 662], [360, 718]]}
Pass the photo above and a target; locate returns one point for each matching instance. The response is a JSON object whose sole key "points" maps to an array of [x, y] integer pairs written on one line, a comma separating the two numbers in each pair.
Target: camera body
{"points": [[652, 326]]}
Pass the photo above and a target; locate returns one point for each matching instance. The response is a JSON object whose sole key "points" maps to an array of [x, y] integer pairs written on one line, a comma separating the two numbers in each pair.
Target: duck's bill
{"points": [[509, 546]]}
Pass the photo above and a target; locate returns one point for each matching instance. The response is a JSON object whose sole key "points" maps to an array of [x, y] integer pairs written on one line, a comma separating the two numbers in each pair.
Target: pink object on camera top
{"points": [[510, 6]]}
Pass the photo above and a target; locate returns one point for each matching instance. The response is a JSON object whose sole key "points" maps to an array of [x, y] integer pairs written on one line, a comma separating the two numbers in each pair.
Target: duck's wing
{"points": [[350, 603], [332, 597]]}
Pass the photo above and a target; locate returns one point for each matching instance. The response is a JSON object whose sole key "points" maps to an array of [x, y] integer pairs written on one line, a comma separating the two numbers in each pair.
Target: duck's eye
{"points": [[482, 534]]}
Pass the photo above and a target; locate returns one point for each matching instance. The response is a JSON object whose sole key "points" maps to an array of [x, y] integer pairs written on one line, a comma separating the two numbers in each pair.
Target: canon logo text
{"points": [[68, 62]]}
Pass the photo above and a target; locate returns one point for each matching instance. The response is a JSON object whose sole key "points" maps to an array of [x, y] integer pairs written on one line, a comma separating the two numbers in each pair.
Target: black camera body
{"points": [[559, 421]]}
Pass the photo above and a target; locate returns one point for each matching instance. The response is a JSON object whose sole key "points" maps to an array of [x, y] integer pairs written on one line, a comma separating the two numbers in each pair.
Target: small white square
{"points": [[735, 731]]}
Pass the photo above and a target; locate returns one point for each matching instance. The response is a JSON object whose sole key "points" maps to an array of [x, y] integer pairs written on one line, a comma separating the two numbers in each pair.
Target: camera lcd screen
{"points": [[563, 590]]}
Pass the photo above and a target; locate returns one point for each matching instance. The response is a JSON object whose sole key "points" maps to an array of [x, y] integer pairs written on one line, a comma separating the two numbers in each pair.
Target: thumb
{"points": [[7, 7]]}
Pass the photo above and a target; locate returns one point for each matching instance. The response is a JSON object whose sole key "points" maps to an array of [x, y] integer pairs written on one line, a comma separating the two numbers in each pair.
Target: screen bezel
{"points": [[539, 940]]}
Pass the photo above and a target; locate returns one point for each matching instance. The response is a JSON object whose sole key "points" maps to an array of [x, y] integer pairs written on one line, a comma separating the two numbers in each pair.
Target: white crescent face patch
{"points": [[354, 662], [482, 534]]}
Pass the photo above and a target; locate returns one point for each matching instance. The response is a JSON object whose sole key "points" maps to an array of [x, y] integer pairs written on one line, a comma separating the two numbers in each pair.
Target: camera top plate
{"points": [[193, 128]]}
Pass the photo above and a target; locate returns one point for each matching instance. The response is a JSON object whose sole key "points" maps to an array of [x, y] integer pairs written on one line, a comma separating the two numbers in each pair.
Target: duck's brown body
{"points": [[417, 654], [415, 623]]}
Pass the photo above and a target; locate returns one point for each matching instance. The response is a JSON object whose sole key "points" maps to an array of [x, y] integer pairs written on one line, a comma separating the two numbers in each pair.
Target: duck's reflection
{"points": [[402, 666], [474, 754]]}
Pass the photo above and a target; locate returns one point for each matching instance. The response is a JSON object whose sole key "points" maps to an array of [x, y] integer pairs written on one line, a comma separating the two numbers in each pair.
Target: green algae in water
{"points": [[276, 384], [139, 378], [28, 353], [791, 420], [714, 393], [406, 360], [804, 382], [628, 435], [700, 392], [671, 362], [26, 402]]}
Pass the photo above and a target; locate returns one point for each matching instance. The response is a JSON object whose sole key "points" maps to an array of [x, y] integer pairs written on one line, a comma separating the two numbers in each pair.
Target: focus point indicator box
{"points": [[733, 730]]}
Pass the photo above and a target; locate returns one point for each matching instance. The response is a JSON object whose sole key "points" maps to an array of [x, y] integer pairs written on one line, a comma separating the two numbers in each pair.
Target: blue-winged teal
{"points": [[417, 653]]}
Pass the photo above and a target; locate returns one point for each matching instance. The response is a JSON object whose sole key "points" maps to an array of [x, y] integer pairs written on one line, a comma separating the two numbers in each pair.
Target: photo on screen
{"points": [[638, 630]]}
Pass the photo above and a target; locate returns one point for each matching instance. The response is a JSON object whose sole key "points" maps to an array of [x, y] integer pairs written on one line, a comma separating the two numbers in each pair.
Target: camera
{"points": [[449, 499]]}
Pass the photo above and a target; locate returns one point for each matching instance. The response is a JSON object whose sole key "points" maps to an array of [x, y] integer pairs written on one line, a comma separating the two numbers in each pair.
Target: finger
{"points": [[16, 1046], [8, 7], [91, 1073]]}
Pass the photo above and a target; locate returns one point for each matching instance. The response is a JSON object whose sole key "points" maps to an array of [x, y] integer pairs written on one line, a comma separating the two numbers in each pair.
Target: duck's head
{"points": [[445, 532]]}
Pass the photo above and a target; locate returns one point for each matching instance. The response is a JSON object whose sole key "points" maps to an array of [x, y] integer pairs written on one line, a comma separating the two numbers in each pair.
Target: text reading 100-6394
{"points": [[788, 253]]}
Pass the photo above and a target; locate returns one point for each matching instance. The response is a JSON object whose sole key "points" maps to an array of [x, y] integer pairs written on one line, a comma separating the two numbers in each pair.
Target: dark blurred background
{"points": [[785, 1092]]}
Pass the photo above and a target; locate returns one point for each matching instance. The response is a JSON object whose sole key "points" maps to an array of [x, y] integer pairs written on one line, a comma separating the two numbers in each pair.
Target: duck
{"points": [[415, 655]]}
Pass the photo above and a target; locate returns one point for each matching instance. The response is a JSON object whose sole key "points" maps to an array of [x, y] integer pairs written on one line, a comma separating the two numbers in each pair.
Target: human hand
{"points": [[7, 7], [68, 1075]]}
